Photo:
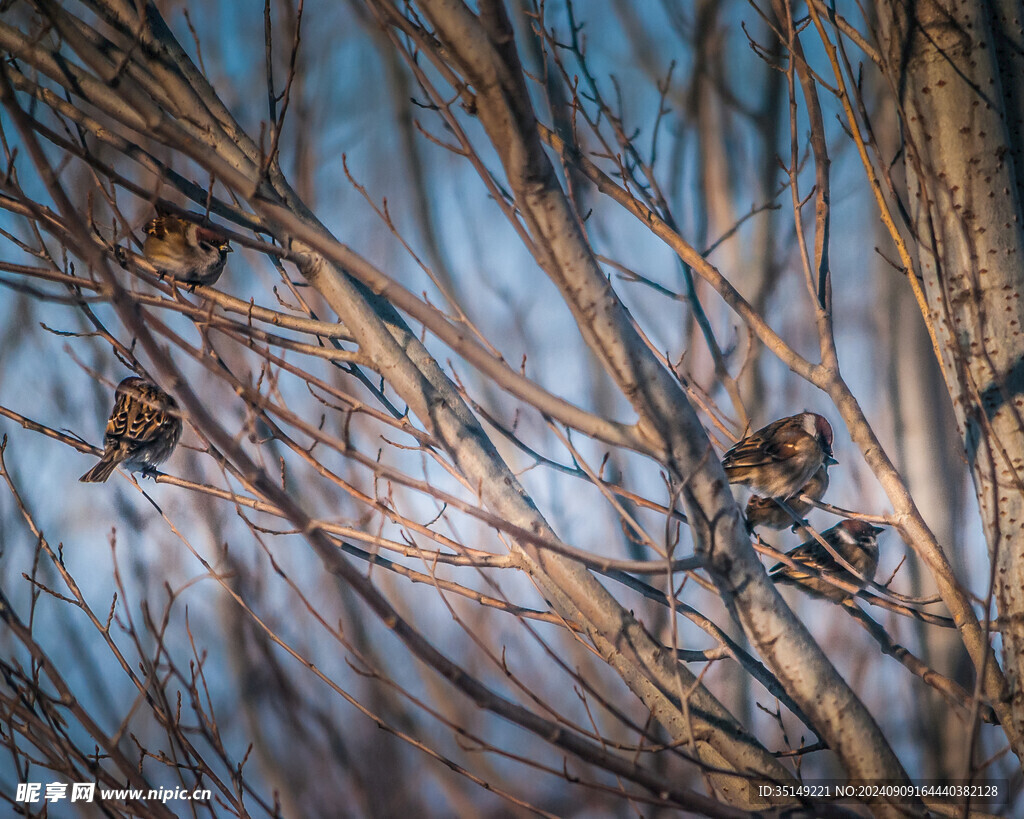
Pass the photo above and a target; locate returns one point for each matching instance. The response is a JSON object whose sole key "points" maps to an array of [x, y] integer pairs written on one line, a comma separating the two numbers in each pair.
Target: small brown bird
{"points": [[763, 511], [855, 540], [189, 252], [780, 458], [142, 431]]}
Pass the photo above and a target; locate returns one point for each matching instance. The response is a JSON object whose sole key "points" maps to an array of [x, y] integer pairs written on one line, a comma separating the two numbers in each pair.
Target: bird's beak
{"points": [[226, 247], [877, 530], [830, 461]]}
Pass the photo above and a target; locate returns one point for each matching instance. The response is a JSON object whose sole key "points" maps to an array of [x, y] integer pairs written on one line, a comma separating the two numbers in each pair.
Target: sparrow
{"points": [[780, 458], [762, 511], [855, 540], [189, 252], [143, 430]]}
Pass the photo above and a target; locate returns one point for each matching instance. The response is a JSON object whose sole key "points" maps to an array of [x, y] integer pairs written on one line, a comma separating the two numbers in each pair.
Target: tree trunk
{"points": [[954, 77]]}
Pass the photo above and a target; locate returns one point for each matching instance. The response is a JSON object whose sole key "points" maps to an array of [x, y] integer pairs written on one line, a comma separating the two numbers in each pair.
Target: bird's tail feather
{"points": [[103, 470]]}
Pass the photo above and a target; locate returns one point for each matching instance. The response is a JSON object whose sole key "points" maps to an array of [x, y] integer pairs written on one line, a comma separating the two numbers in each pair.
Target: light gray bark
{"points": [[961, 122], [921, 407]]}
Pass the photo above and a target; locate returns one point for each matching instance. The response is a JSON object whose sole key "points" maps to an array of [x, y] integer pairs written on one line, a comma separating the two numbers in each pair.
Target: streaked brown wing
{"points": [[767, 445], [812, 555], [156, 227], [139, 413], [787, 444], [160, 226]]}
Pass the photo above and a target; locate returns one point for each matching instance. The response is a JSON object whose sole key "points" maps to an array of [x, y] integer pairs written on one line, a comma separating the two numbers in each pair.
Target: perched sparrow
{"points": [[855, 540], [142, 431], [185, 250], [780, 458], [762, 511]]}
